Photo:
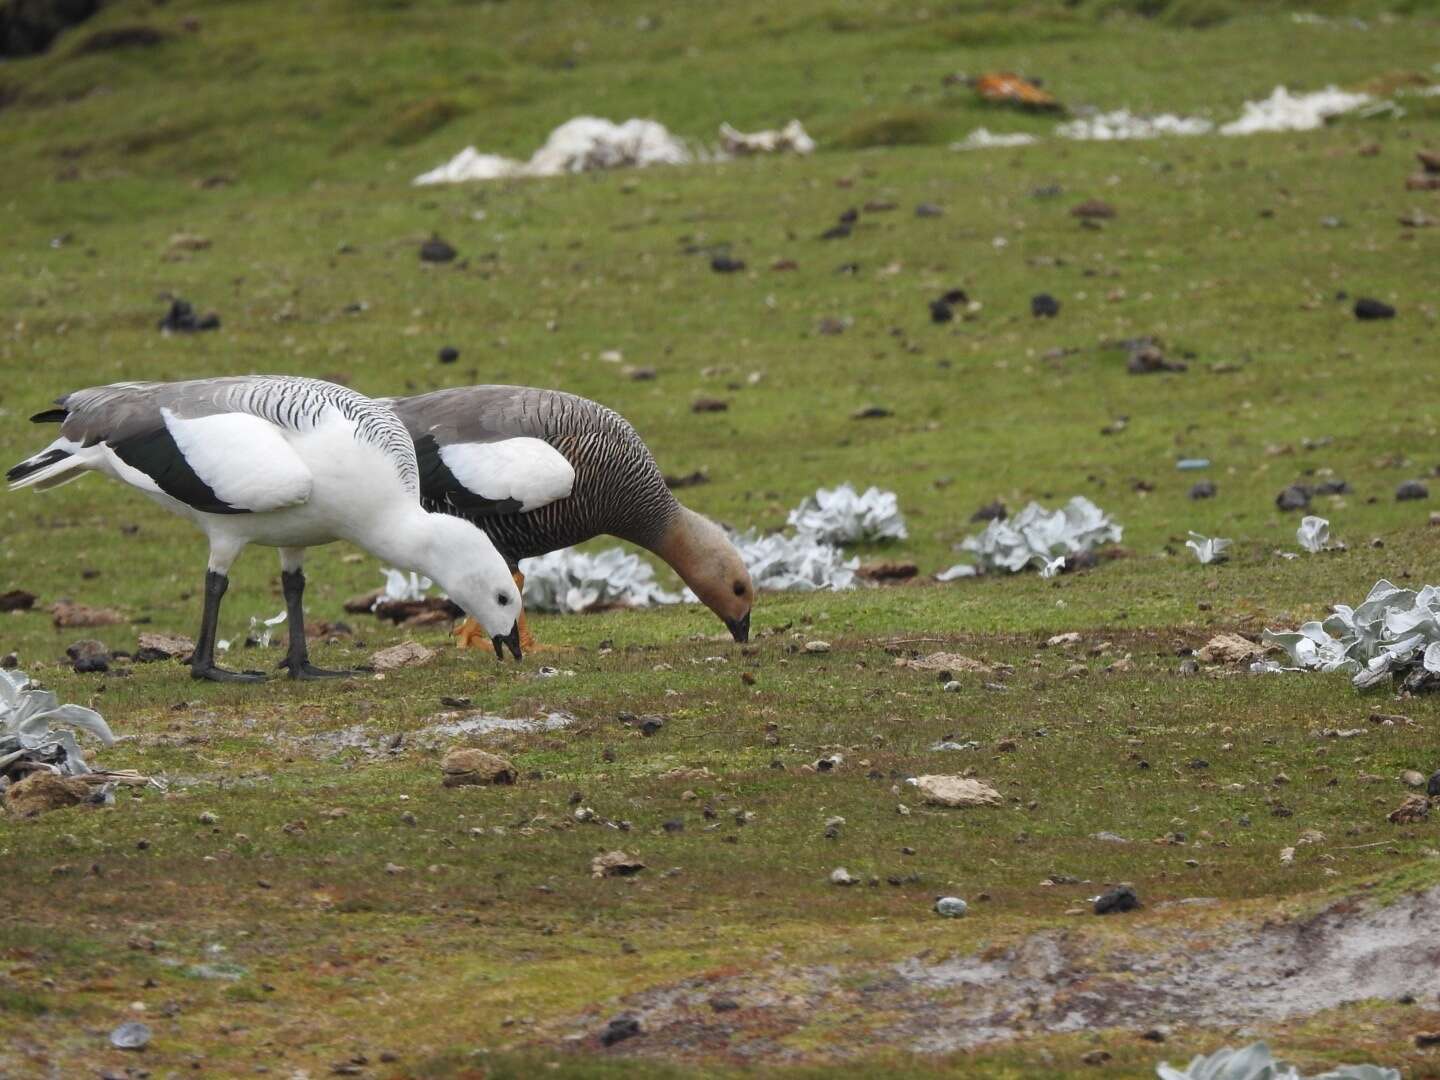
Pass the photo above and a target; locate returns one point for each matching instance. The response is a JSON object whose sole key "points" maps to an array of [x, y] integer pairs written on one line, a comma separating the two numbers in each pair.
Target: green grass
{"points": [[318, 115]]}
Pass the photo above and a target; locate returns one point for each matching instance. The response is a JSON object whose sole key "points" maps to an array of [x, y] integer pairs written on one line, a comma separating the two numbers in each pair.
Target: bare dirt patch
{"points": [[1053, 982]]}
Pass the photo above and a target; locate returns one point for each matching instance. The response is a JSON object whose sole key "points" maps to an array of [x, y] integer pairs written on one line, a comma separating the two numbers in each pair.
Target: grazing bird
{"points": [[542, 469], [280, 461]]}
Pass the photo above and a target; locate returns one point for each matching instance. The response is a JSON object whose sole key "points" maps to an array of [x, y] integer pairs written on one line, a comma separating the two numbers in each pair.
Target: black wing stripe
{"points": [[442, 490], [156, 454], [50, 416]]}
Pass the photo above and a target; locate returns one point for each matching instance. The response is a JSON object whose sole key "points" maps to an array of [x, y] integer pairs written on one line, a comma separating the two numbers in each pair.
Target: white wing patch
{"points": [[530, 471], [247, 461]]}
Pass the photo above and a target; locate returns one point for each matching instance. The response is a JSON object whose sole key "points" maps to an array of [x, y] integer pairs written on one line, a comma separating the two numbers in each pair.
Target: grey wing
{"points": [[190, 443], [485, 451]]}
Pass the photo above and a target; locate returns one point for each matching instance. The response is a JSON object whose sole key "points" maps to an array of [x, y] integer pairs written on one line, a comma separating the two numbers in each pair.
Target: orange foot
{"points": [[469, 636]]}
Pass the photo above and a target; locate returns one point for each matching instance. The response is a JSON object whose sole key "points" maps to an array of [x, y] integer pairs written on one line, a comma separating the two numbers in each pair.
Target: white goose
{"points": [[280, 461]]}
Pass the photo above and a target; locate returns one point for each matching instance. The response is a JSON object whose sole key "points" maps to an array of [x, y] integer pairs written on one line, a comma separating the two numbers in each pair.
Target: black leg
{"points": [[297, 658], [202, 663]]}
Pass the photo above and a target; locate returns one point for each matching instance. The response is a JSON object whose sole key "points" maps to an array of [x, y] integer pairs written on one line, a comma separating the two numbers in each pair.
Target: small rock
{"points": [[1095, 1057], [928, 210], [993, 511], [64, 614], [465, 766], [1426, 1039], [1411, 489], [1414, 809], [394, 869], [1121, 898], [619, 1029], [41, 792], [16, 600], [88, 655], [1205, 489], [707, 404], [1044, 306], [615, 864], [871, 412], [406, 654], [1412, 778], [436, 250], [1433, 787], [941, 790], [152, 647], [951, 907], [1229, 649], [724, 264], [448, 355], [1148, 359], [1294, 497], [1367, 308], [841, 876], [1093, 209], [207, 817], [817, 646], [131, 1035], [181, 319]]}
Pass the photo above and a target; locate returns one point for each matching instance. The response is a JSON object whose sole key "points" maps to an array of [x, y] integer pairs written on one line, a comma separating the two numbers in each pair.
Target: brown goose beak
{"points": [[740, 628], [512, 639]]}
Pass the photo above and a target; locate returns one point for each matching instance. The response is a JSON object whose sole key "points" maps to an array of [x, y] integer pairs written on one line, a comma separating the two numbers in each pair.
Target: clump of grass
{"points": [[988, 30], [21, 1003], [422, 119], [902, 125]]}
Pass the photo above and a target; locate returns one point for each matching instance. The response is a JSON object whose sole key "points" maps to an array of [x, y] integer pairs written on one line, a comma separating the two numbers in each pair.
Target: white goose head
{"points": [[460, 558]]}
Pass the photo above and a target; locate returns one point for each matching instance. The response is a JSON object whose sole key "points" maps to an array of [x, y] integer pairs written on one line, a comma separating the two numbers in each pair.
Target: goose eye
{"points": [[502, 598]]}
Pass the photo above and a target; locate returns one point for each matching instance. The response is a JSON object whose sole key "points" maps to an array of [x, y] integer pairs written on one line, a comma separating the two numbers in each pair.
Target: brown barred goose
{"points": [[542, 469]]}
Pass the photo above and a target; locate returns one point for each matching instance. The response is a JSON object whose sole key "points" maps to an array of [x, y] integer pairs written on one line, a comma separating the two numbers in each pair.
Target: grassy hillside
{"points": [[285, 135]]}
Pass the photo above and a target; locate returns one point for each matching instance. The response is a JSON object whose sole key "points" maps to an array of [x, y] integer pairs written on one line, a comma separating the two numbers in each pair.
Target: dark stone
{"points": [[1121, 898], [456, 702], [723, 1004], [940, 312], [724, 264], [836, 232], [995, 511], [1366, 308], [436, 250], [674, 825], [1294, 497], [1205, 489], [88, 655], [1332, 487], [1148, 359], [1092, 209], [955, 296], [619, 1029], [1411, 489], [709, 405], [449, 354], [17, 600], [649, 725], [1433, 787], [1044, 306], [926, 209], [849, 217], [181, 319]]}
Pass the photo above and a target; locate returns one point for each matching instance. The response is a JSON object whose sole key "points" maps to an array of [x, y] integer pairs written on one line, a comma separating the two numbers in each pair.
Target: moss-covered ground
{"points": [[343, 905]]}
